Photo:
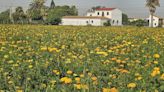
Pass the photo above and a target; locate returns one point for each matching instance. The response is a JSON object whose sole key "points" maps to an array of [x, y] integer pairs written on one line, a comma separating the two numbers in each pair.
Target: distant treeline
{"points": [[38, 13]]}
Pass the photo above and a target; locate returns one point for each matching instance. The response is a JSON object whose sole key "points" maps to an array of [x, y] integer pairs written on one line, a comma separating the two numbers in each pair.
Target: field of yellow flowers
{"points": [[81, 59]]}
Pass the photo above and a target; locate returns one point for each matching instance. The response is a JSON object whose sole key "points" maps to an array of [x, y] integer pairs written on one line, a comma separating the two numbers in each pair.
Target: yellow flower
{"points": [[43, 85], [156, 56], [95, 82], [69, 72], [43, 49], [113, 59], [53, 82], [106, 90], [90, 74], [30, 66], [81, 75], [74, 74], [155, 72], [66, 80], [6, 56], [94, 78], [10, 82], [131, 85], [56, 72], [162, 77], [19, 90], [155, 62], [102, 53], [77, 79], [113, 90], [80, 86]]}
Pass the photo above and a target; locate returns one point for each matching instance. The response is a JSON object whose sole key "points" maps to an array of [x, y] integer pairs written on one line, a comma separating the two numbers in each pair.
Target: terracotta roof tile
{"points": [[105, 9], [85, 17]]}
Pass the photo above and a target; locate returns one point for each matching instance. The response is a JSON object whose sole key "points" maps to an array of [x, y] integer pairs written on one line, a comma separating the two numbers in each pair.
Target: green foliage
{"points": [[35, 10], [5, 17], [36, 58], [55, 15], [139, 23], [96, 7], [38, 13], [19, 15], [107, 23], [124, 19]]}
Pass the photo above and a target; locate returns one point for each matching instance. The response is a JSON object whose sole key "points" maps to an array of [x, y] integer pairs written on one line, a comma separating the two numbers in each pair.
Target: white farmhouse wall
{"points": [[116, 19], [155, 21], [107, 14], [114, 15], [83, 21], [91, 14]]}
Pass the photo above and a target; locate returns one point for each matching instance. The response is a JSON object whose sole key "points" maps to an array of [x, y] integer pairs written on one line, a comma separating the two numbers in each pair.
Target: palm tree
{"points": [[152, 4]]}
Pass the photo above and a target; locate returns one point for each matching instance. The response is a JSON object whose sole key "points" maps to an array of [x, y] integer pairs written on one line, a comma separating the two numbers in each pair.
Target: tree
{"points": [[5, 17], [152, 4], [35, 12], [139, 23], [124, 19], [55, 15], [19, 15], [52, 6]]}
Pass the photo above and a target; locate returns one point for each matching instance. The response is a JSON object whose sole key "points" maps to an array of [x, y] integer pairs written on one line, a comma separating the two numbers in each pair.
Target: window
{"points": [[98, 13], [87, 22], [102, 13], [107, 13], [117, 21], [92, 21], [91, 15], [113, 21], [155, 24]]}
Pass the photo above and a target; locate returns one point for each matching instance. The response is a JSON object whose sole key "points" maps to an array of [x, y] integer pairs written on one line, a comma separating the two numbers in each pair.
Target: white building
{"points": [[84, 20], [114, 14], [96, 18], [156, 21]]}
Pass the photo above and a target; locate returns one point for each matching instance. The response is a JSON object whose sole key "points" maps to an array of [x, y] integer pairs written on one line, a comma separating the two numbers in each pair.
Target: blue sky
{"points": [[134, 8]]}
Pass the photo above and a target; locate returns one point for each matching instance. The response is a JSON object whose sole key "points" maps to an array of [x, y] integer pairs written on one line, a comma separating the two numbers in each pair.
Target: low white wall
{"points": [[83, 21]]}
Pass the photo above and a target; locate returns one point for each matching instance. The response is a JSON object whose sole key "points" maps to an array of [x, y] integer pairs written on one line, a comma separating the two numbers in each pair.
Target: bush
{"points": [[107, 23]]}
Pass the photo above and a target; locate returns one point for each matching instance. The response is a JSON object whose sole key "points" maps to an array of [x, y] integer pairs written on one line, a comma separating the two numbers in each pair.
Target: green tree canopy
{"points": [[55, 15], [35, 12], [5, 16], [19, 14]]}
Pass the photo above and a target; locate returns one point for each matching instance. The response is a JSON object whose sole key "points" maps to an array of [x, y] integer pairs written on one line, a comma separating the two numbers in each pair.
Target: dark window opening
{"points": [[98, 13], [107, 13], [102, 13], [117, 21], [113, 21]]}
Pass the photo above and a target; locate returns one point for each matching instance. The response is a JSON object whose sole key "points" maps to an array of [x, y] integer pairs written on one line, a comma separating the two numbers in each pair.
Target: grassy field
{"points": [[81, 59]]}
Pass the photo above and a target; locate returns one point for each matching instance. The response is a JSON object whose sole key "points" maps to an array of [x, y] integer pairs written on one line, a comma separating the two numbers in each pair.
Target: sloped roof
{"points": [[84, 17], [105, 9]]}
